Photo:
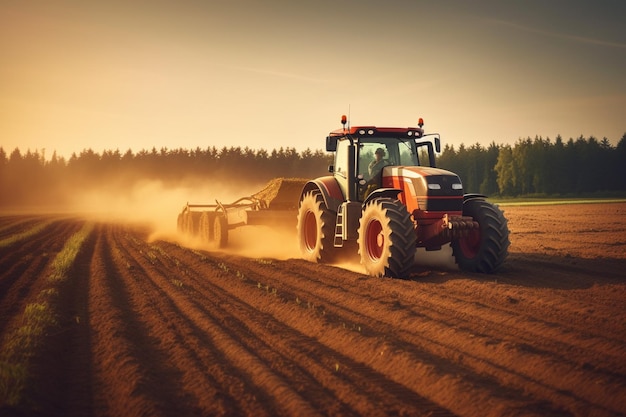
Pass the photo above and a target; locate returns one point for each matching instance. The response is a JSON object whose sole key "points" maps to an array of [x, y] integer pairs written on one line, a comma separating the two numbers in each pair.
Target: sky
{"points": [[107, 75]]}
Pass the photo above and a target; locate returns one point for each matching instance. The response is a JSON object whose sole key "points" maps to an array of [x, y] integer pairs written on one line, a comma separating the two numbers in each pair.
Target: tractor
{"points": [[385, 198]]}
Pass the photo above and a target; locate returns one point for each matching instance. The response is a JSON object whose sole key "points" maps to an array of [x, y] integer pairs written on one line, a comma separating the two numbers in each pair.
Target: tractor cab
{"points": [[365, 154]]}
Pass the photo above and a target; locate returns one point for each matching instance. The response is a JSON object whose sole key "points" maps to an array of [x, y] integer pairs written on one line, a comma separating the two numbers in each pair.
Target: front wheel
{"points": [[387, 240], [484, 249], [316, 229]]}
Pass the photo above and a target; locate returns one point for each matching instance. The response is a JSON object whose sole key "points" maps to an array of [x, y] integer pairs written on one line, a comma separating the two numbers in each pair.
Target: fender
{"points": [[382, 193], [331, 193], [472, 196]]}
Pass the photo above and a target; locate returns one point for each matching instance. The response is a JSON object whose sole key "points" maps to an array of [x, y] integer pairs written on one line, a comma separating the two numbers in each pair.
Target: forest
{"points": [[540, 167], [531, 167]]}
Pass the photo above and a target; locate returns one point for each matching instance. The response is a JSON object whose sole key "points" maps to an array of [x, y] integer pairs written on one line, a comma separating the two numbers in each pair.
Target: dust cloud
{"points": [[264, 242], [152, 202], [441, 259], [250, 241], [157, 205]]}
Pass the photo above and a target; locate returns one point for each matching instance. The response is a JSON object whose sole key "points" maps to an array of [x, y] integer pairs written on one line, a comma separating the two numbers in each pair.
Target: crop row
{"points": [[39, 318]]}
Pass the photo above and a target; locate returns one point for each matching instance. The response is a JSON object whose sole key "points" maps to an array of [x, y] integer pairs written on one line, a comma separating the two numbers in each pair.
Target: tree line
{"points": [[30, 179], [540, 167], [529, 167]]}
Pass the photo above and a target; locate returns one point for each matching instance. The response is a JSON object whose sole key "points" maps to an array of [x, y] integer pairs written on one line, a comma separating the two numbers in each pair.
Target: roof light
{"points": [[370, 132], [362, 132], [420, 122], [344, 119]]}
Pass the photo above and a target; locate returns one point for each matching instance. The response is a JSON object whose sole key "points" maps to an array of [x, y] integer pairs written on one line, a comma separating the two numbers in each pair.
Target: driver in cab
{"points": [[376, 166], [375, 170]]}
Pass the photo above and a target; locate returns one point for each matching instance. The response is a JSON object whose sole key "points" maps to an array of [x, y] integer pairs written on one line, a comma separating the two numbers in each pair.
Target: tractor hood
{"points": [[425, 189], [425, 181], [416, 171]]}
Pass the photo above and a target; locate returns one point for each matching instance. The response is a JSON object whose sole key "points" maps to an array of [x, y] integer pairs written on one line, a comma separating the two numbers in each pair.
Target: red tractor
{"points": [[385, 198]]}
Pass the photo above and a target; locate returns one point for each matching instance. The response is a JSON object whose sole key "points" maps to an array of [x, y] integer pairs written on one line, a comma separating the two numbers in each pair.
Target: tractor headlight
{"points": [[457, 186], [434, 186]]}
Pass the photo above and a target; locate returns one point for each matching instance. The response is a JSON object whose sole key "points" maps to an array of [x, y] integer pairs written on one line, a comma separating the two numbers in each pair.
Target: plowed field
{"points": [[145, 326]]}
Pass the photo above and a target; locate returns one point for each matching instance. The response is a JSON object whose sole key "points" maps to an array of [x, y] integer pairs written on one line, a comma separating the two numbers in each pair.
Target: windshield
{"points": [[391, 151]]}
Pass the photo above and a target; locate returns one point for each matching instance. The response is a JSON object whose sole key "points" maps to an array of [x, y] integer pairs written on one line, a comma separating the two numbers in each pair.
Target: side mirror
{"points": [[438, 145], [331, 144], [331, 168]]}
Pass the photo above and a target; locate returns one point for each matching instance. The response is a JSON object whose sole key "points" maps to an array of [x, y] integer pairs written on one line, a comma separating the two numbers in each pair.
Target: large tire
{"points": [[316, 229], [484, 249], [387, 240]]}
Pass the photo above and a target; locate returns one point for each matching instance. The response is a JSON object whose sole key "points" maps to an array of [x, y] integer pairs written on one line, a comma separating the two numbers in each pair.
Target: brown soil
{"points": [[155, 328]]}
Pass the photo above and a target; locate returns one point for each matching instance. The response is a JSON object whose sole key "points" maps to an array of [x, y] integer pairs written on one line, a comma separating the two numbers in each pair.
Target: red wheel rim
{"points": [[470, 245], [310, 231], [374, 240]]}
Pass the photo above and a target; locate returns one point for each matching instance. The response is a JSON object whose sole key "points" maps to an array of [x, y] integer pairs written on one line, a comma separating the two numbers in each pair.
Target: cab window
{"points": [[367, 154]]}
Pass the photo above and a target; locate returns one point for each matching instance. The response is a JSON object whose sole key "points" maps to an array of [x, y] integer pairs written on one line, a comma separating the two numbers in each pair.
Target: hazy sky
{"points": [[266, 74]]}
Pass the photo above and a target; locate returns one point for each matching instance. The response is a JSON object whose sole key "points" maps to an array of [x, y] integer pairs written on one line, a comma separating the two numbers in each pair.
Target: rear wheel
{"points": [[316, 228], [387, 241], [486, 248]]}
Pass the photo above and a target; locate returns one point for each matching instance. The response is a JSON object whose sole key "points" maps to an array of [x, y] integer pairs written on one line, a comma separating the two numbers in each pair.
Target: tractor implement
{"points": [[275, 205]]}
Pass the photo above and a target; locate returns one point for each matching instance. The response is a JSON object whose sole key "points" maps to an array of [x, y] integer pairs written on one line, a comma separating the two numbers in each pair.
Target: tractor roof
{"points": [[373, 131]]}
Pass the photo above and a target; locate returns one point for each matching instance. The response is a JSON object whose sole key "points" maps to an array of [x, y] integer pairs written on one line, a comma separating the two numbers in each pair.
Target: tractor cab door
{"points": [[341, 171], [373, 156]]}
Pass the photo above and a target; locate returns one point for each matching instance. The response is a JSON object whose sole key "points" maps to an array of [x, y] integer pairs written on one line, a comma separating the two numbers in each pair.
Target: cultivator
{"points": [[275, 205]]}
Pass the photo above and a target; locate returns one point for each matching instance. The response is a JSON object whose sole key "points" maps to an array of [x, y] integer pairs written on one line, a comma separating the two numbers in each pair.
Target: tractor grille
{"points": [[440, 204], [438, 192]]}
